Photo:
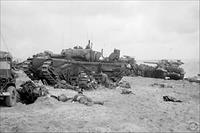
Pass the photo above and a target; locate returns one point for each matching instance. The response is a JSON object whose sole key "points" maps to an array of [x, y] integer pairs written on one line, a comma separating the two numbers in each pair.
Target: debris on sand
{"points": [[64, 85], [162, 85], [44, 102], [171, 99], [30, 91], [125, 91], [195, 79], [124, 84], [130, 127]]}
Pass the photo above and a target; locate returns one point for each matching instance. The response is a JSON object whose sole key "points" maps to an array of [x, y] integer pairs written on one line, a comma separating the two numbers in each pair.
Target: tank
{"points": [[145, 70], [51, 68], [167, 68]]}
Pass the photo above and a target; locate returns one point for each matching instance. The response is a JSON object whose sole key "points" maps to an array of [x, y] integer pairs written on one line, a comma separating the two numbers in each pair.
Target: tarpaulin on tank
{"points": [[84, 54]]}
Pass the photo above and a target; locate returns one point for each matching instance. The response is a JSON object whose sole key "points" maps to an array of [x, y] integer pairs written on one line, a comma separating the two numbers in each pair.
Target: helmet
{"points": [[80, 91]]}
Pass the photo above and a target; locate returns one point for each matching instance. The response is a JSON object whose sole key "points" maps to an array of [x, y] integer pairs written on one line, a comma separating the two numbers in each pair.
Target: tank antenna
{"points": [[4, 42]]}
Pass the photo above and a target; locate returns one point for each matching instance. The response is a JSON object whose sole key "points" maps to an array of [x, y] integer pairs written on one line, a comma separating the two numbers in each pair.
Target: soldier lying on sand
{"points": [[62, 98], [85, 100], [78, 98]]}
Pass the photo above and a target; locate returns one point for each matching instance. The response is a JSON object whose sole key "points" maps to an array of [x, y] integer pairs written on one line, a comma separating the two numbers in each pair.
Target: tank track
{"points": [[49, 74], [27, 69]]}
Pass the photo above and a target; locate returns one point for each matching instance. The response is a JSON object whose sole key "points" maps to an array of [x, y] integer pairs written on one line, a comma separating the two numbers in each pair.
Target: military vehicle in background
{"points": [[52, 68], [145, 70], [8, 93], [166, 68]]}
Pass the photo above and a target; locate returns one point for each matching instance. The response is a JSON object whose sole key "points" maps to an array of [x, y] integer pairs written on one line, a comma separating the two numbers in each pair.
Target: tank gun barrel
{"points": [[86, 63], [57, 56], [151, 62]]}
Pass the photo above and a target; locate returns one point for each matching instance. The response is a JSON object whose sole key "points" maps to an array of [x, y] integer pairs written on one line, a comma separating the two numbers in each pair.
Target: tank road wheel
{"points": [[11, 100]]}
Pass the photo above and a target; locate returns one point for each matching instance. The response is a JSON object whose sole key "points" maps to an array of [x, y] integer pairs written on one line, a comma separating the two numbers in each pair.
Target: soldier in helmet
{"points": [[81, 98], [61, 97], [105, 80]]}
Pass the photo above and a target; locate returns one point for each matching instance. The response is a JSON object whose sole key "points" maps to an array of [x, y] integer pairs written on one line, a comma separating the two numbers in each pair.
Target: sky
{"points": [[144, 30]]}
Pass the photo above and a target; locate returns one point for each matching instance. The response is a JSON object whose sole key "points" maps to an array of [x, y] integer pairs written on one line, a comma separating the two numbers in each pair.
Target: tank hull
{"points": [[53, 70]]}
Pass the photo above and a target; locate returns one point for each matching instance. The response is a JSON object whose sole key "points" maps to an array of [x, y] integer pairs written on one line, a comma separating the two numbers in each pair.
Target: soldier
{"points": [[114, 56], [105, 80], [61, 97], [84, 81], [88, 45], [85, 100], [78, 47], [93, 81]]}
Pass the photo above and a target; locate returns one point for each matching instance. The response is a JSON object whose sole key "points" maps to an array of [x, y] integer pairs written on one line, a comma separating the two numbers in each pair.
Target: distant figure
{"points": [[89, 45], [78, 47], [85, 100]]}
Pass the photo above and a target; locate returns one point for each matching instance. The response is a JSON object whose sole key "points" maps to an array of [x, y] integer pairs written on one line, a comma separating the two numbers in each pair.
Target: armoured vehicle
{"points": [[52, 68], [8, 91], [168, 68]]}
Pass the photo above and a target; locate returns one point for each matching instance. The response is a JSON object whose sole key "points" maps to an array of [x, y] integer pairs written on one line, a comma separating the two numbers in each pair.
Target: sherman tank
{"points": [[81, 54], [166, 68], [51, 68]]}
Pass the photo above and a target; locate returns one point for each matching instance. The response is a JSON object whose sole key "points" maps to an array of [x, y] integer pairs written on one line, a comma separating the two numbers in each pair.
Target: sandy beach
{"points": [[143, 111]]}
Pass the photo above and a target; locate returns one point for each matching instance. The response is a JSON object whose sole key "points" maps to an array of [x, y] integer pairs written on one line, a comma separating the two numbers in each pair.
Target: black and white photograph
{"points": [[99, 66]]}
